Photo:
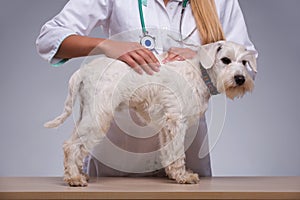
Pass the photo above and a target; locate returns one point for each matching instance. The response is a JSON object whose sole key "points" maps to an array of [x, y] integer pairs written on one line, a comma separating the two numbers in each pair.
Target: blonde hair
{"points": [[207, 20]]}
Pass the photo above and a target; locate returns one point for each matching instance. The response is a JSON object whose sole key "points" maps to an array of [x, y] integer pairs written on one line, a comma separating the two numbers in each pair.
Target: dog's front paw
{"points": [[188, 178], [76, 181]]}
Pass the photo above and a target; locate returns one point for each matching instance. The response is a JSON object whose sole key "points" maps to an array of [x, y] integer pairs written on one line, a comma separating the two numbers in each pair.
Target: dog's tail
{"points": [[74, 85]]}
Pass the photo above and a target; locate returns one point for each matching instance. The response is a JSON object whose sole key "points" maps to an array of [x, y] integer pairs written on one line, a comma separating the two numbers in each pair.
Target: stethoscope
{"points": [[148, 40]]}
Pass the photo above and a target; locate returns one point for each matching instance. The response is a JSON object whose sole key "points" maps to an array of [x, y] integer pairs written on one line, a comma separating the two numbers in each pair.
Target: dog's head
{"points": [[229, 65]]}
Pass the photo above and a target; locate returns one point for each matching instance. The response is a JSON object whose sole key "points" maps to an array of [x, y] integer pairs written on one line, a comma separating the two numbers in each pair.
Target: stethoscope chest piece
{"points": [[148, 41]]}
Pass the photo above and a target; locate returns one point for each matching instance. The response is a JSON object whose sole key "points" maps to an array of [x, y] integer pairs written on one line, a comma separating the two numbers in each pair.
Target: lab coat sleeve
{"points": [[234, 25], [78, 17]]}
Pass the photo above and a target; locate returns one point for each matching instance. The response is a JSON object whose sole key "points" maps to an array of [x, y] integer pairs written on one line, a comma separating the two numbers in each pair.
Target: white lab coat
{"points": [[120, 20]]}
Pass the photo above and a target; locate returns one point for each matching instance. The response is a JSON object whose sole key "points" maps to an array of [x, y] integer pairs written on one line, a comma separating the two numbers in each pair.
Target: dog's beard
{"points": [[226, 85]]}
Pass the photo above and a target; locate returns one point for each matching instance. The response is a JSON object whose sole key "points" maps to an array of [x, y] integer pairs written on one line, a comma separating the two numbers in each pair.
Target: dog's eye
{"points": [[244, 62], [226, 60]]}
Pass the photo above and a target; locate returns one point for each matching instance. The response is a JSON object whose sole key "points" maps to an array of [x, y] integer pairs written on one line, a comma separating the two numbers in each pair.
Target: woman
{"points": [[201, 22]]}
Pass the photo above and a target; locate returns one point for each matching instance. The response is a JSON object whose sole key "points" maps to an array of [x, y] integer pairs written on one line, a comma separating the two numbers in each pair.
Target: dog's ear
{"points": [[207, 54], [251, 58]]}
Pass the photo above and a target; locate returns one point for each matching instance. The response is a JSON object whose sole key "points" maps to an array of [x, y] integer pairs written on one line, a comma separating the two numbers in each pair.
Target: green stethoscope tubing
{"points": [[151, 39], [142, 16], [184, 4]]}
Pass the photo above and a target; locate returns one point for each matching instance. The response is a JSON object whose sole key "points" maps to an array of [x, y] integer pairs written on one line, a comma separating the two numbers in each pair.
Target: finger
{"points": [[132, 63], [141, 62], [138, 70], [151, 55], [147, 69], [177, 58], [170, 57], [149, 61]]}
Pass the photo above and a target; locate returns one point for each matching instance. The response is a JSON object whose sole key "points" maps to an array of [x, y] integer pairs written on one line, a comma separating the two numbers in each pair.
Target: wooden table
{"points": [[152, 188]]}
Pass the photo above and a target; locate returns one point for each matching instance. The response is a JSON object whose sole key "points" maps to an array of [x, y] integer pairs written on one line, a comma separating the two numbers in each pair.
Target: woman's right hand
{"points": [[134, 54]]}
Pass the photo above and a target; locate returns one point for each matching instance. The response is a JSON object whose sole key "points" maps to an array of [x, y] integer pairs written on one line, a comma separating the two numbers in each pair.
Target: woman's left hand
{"points": [[179, 54]]}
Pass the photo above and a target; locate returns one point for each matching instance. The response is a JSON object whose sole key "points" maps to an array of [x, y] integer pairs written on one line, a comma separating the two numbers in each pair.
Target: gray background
{"points": [[261, 133]]}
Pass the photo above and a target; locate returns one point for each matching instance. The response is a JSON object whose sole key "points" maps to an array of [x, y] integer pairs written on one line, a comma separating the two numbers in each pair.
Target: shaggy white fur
{"points": [[105, 85]]}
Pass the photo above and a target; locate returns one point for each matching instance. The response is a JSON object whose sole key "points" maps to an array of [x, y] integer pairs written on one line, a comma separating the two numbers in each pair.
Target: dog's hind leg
{"points": [[86, 135], [172, 149], [74, 153]]}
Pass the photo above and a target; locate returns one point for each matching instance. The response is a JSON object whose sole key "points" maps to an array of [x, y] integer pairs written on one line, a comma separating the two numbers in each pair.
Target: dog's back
{"points": [[114, 82]]}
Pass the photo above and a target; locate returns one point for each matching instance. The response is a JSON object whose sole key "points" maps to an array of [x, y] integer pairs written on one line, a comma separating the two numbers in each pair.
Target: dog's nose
{"points": [[239, 79]]}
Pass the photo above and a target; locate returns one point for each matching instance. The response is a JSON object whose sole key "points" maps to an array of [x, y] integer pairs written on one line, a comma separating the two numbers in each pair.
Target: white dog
{"points": [[181, 89]]}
